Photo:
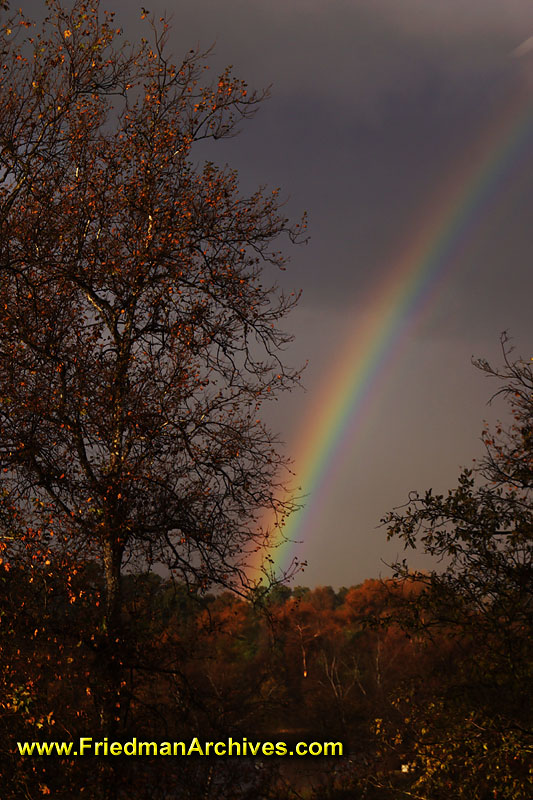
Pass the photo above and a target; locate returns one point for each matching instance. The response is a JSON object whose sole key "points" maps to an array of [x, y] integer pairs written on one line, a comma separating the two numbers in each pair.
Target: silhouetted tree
{"points": [[139, 331], [476, 731]]}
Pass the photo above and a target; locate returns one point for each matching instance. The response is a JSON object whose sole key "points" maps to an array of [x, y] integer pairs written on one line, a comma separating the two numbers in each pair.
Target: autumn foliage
{"points": [[141, 333]]}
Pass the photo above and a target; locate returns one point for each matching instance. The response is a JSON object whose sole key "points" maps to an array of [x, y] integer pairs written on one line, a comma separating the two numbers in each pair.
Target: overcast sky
{"points": [[374, 104]]}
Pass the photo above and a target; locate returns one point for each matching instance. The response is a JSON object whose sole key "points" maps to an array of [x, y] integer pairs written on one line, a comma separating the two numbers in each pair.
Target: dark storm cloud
{"points": [[372, 104], [368, 49]]}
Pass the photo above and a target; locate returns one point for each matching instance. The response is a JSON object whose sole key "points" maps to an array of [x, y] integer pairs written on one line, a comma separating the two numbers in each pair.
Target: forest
{"points": [[422, 710], [142, 337]]}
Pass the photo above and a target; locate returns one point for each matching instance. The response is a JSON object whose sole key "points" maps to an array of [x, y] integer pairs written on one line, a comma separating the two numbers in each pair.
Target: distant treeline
{"points": [[419, 704]]}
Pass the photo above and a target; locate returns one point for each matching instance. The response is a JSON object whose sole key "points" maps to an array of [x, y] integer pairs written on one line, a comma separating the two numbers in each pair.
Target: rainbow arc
{"points": [[408, 292]]}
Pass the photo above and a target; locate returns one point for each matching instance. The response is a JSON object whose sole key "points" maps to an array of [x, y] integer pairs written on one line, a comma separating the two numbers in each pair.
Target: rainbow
{"points": [[394, 309]]}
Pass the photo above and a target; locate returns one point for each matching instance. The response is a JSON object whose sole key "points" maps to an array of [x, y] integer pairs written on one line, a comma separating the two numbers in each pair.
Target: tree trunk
{"points": [[112, 644], [113, 552]]}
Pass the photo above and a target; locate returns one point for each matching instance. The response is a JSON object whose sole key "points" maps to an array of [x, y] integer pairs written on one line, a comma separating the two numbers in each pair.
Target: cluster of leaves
{"points": [[49, 666]]}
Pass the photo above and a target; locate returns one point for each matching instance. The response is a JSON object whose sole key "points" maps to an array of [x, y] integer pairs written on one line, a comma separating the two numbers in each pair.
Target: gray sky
{"points": [[374, 103]]}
